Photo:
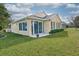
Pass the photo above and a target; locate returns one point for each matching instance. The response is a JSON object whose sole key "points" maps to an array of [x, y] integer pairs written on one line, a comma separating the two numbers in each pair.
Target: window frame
{"points": [[53, 25], [22, 26]]}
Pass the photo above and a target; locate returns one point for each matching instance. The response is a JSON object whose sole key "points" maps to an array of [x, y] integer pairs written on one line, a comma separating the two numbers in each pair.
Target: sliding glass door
{"points": [[37, 27], [40, 27]]}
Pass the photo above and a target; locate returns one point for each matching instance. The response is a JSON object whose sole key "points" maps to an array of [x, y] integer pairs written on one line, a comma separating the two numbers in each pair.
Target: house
{"points": [[39, 23]]}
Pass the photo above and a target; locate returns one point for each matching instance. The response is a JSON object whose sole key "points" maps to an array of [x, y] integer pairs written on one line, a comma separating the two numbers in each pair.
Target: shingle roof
{"points": [[39, 15], [42, 15]]}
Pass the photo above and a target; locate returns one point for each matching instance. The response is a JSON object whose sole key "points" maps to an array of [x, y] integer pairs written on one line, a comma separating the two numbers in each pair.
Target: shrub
{"points": [[55, 31], [0, 27], [4, 30], [1, 35]]}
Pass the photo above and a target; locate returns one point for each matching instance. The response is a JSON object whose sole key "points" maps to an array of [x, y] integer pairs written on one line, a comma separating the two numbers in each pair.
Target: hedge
{"points": [[55, 31]]}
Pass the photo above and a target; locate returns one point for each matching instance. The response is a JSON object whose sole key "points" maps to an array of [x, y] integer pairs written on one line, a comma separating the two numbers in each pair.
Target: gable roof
{"points": [[39, 15], [42, 15]]}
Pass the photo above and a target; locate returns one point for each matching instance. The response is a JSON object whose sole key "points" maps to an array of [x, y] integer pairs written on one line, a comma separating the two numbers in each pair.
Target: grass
{"points": [[62, 43]]}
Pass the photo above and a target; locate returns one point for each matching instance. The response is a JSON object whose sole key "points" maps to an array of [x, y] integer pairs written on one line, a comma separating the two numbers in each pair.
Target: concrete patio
{"points": [[40, 35]]}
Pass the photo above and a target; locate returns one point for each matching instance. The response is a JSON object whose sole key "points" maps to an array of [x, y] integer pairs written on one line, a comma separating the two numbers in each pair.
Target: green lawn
{"points": [[62, 43]]}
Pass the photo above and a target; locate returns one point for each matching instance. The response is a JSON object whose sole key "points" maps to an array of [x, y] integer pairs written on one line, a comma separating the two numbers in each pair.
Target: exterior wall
{"points": [[29, 23], [8, 30], [57, 22], [15, 28], [63, 25], [58, 25], [47, 26]]}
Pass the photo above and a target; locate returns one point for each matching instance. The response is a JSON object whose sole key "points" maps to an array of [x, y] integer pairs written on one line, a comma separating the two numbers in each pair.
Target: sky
{"points": [[21, 10]]}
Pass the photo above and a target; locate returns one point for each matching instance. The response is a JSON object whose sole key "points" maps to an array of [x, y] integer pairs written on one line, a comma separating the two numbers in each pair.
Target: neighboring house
{"points": [[39, 23]]}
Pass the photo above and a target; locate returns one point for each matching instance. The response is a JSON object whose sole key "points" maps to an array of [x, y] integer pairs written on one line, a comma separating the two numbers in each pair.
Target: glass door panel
{"points": [[35, 27], [40, 27]]}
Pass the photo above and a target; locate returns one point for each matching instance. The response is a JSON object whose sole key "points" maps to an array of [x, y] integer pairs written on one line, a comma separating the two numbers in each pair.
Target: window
{"points": [[20, 26], [52, 25], [58, 25], [40, 27], [23, 26]]}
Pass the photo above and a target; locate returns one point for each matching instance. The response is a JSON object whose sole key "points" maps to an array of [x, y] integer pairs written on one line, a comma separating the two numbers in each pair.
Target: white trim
{"points": [[33, 27], [42, 26], [38, 27], [55, 25], [22, 26]]}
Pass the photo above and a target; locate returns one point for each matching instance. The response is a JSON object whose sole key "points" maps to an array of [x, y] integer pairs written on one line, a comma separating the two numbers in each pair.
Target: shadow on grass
{"points": [[58, 35], [13, 39]]}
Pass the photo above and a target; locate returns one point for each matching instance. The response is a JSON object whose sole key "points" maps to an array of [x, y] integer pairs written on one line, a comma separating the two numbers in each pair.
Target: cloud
{"points": [[74, 9], [21, 5], [72, 6], [19, 10], [75, 12], [53, 5], [64, 18], [17, 16], [57, 5]]}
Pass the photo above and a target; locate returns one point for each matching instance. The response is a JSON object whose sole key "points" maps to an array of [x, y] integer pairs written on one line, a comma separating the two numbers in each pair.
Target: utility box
{"points": [[37, 35]]}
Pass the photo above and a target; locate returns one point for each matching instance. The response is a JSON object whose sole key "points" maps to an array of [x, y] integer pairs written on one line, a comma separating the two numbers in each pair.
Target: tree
{"points": [[4, 15], [76, 21], [71, 21]]}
